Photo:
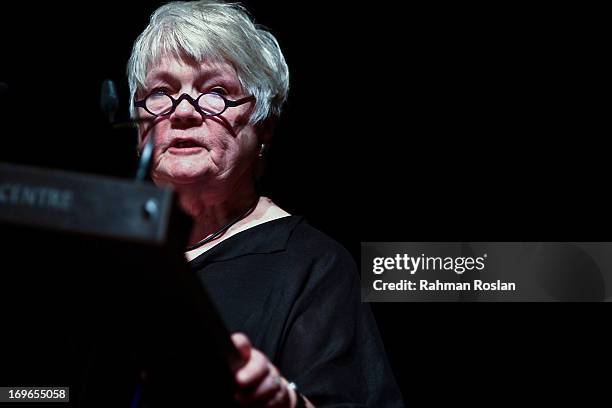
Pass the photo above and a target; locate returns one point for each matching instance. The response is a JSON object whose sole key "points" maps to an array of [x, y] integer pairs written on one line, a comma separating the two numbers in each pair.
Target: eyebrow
{"points": [[164, 76], [202, 77]]}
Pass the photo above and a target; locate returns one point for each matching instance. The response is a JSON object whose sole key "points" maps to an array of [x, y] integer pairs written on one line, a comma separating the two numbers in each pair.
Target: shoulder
{"points": [[323, 254], [308, 238]]}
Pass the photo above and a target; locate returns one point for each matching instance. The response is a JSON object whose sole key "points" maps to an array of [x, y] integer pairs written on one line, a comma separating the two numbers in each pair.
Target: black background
{"points": [[403, 124]]}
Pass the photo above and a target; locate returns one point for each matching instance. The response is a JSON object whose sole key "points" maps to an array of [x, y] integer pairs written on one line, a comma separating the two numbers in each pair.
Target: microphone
{"points": [[109, 101], [146, 159]]}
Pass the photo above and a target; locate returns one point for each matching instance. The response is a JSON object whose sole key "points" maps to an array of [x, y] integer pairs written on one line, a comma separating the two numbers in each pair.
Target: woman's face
{"points": [[193, 149]]}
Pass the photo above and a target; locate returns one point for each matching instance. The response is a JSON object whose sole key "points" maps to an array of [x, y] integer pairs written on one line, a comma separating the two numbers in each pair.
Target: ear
{"points": [[265, 130]]}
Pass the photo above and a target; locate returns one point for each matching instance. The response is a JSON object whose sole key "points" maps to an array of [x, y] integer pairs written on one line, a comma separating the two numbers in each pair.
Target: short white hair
{"points": [[217, 31]]}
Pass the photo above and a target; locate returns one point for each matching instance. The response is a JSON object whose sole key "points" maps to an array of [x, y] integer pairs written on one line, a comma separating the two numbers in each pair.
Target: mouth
{"points": [[185, 146]]}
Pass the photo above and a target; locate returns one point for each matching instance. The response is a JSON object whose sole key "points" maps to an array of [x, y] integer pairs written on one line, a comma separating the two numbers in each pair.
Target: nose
{"points": [[185, 112]]}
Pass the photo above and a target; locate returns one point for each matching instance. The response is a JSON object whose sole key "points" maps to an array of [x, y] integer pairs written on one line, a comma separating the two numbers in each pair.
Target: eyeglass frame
{"points": [[194, 102]]}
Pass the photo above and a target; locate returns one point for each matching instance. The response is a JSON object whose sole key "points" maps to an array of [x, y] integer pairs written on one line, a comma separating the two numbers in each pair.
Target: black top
{"points": [[295, 293]]}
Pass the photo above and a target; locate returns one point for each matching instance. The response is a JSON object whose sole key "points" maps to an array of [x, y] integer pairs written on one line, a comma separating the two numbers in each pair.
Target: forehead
{"points": [[179, 69]]}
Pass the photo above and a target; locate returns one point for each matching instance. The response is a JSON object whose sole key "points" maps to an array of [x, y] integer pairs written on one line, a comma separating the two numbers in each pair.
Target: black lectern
{"points": [[96, 294]]}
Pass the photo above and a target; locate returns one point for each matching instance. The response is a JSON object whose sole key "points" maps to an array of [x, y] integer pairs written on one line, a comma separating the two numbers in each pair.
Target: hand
{"points": [[259, 382]]}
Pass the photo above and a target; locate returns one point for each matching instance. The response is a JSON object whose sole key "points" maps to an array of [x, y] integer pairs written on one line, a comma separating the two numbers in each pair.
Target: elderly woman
{"points": [[208, 85]]}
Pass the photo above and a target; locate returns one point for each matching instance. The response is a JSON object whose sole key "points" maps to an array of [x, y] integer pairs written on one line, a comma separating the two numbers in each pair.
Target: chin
{"points": [[182, 175]]}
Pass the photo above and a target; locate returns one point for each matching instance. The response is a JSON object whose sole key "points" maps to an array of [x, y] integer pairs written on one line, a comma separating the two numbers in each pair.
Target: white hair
{"points": [[217, 31]]}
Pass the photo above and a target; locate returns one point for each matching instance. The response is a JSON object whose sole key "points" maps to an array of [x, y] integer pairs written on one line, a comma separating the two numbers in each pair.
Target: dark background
{"points": [[422, 123]]}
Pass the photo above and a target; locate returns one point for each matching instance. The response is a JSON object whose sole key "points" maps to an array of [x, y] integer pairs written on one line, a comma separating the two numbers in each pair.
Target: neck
{"points": [[212, 210]]}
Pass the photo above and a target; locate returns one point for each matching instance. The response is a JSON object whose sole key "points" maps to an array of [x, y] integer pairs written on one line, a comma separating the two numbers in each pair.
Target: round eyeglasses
{"points": [[208, 104]]}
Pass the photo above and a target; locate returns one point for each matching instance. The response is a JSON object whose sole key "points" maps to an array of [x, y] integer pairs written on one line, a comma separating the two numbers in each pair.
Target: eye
{"points": [[160, 90], [219, 90]]}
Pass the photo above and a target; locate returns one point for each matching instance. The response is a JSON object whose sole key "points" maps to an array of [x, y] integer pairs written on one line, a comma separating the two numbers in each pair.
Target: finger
{"points": [[255, 370], [266, 391], [281, 399], [243, 345]]}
